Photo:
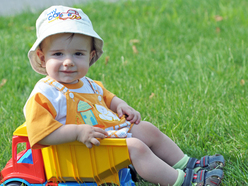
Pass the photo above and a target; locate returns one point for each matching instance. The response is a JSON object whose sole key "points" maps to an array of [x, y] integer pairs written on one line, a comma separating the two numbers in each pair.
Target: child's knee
{"points": [[136, 147], [145, 128]]}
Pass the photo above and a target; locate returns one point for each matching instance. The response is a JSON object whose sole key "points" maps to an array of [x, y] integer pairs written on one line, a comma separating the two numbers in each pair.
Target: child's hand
{"points": [[133, 116], [88, 135]]}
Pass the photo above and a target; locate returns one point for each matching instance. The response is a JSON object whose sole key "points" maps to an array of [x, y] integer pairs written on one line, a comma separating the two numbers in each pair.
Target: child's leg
{"points": [[153, 154], [160, 144], [148, 165]]}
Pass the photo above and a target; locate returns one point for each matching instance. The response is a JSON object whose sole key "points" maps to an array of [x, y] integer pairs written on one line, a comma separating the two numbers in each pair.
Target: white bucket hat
{"points": [[61, 19]]}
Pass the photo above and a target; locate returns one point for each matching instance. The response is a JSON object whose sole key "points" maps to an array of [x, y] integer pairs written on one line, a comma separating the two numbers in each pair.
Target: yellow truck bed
{"points": [[75, 162]]}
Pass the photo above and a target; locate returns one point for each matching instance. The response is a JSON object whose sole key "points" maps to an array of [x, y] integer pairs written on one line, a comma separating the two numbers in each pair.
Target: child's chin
{"points": [[69, 81]]}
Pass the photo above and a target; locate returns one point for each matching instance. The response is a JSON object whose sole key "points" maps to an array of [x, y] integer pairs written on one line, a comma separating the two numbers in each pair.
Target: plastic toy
{"points": [[69, 164]]}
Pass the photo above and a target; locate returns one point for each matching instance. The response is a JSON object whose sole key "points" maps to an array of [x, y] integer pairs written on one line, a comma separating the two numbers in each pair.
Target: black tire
{"points": [[133, 173], [15, 183]]}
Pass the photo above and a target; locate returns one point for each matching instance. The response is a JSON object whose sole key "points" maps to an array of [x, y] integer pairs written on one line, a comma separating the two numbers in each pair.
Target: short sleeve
{"points": [[40, 119]]}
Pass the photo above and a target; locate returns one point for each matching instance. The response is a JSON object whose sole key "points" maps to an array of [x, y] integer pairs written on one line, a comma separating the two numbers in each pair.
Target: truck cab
{"points": [[26, 165]]}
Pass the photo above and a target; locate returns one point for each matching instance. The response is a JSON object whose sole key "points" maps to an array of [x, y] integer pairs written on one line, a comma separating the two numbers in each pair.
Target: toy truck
{"points": [[69, 164]]}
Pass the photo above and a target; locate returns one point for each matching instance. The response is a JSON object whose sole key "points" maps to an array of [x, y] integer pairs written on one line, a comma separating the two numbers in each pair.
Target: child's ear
{"points": [[41, 55], [92, 54]]}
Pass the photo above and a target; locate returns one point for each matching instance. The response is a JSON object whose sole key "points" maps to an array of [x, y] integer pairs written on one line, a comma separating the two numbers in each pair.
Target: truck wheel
{"points": [[15, 183], [133, 173]]}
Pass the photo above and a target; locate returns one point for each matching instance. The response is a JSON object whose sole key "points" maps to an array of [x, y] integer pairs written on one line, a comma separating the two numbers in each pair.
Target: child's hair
{"points": [[71, 37], [61, 19]]}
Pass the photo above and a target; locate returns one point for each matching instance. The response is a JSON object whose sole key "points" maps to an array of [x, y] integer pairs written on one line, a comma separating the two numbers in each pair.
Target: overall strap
{"points": [[93, 86], [64, 89], [55, 84]]}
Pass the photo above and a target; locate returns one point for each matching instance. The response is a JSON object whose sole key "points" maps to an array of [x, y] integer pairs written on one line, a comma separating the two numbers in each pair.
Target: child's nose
{"points": [[68, 62]]}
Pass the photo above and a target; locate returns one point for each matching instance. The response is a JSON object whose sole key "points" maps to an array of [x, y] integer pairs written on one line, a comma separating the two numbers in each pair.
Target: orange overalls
{"points": [[91, 109]]}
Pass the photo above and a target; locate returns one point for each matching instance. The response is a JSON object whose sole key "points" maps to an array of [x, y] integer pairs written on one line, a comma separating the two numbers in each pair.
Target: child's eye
{"points": [[58, 54], [79, 54]]}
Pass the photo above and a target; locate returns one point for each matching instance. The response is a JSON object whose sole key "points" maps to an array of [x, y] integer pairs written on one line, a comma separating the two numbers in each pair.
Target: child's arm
{"points": [[84, 133], [122, 108]]}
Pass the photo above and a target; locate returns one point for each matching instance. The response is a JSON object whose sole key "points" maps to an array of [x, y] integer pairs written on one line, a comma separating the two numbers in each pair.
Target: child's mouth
{"points": [[68, 71]]}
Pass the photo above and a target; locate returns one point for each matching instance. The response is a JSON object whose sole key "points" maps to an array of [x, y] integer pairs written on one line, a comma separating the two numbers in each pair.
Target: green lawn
{"points": [[182, 64]]}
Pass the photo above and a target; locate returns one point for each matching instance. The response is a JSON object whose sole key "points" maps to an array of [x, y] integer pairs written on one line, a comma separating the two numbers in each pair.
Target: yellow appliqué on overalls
{"points": [[85, 109]]}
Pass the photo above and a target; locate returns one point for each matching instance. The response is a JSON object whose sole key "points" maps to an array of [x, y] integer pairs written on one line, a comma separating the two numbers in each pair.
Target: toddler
{"points": [[66, 105]]}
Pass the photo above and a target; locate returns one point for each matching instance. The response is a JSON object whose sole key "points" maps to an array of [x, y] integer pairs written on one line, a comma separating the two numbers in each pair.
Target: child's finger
{"points": [[139, 118], [100, 135], [136, 118], [130, 117], [119, 112], [94, 141], [88, 144], [99, 130]]}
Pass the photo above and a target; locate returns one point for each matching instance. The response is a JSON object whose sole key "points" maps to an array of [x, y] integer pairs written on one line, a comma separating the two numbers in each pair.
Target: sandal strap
{"points": [[207, 160], [189, 177], [191, 163], [203, 177], [204, 161], [200, 177]]}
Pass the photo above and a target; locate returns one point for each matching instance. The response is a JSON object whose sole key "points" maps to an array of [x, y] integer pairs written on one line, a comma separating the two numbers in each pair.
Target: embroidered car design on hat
{"points": [[70, 14]]}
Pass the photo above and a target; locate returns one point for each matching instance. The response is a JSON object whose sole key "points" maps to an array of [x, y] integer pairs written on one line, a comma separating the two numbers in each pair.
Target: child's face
{"points": [[66, 57]]}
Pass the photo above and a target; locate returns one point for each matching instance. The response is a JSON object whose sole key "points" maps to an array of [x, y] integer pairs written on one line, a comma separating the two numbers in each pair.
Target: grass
{"points": [[188, 74]]}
